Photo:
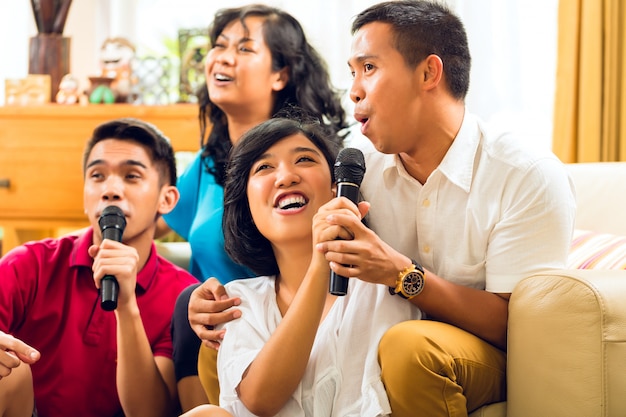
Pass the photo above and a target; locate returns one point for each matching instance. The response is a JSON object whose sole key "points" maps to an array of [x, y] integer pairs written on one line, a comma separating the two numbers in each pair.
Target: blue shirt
{"points": [[198, 218]]}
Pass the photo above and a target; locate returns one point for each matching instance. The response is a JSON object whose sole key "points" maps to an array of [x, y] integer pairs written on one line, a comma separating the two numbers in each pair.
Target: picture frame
{"points": [[193, 45]]}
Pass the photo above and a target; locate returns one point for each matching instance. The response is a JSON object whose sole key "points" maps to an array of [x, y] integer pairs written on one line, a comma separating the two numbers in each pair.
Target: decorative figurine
{"points": [[101, 91], [68, 90], [116, 55], [113, 84]]}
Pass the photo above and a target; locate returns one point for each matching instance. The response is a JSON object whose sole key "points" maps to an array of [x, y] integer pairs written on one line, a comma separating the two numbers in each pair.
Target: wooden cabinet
{"points": [[41, 147]]}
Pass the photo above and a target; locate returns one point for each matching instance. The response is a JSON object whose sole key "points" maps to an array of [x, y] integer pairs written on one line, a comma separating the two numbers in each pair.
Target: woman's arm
{"points": [[275, 373]]}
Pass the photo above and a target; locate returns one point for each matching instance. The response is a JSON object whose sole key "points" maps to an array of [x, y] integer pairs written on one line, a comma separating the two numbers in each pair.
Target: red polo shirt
{"points": [[49, 300]]}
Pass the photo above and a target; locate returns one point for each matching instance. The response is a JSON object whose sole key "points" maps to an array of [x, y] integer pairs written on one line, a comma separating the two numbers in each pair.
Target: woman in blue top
{"points": [[260, 62]]}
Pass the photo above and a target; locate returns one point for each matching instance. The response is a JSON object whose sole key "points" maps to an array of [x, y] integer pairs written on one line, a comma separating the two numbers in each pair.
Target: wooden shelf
{"points": [[41, 148]]}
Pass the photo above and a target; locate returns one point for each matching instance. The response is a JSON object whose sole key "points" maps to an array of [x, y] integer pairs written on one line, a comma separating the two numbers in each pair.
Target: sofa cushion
{"points": [[592, 250]]}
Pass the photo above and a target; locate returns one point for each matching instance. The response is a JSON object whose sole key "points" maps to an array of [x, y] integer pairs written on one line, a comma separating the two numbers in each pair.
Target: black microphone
{"points": [[349, 172], [112, 223]]}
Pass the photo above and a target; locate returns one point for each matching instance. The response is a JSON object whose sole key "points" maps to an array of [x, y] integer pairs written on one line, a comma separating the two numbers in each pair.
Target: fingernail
{"points": [[237, 314], [33, 354]]}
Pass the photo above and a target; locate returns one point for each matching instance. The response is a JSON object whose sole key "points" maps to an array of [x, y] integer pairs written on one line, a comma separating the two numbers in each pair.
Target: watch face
{"points": [[412, 283]]}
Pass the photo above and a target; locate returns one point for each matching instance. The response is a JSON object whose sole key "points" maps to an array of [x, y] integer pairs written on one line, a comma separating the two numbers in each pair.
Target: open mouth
{"points": [[361, 118], [291, 202], [222, 77]]}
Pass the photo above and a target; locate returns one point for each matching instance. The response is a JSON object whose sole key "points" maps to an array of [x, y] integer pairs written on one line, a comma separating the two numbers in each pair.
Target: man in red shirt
{"points": [[59, 350]]}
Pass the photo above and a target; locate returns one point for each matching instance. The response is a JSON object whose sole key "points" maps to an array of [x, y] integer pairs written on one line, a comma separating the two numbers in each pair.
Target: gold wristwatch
{"points": [[410, 281]]}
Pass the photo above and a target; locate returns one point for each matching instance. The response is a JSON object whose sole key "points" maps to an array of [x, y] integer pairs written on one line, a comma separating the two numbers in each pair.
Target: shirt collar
{"points": [[458, 163], [80, 258]]}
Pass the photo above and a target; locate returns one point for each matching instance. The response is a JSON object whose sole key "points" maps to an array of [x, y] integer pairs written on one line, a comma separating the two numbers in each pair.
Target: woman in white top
{"points": [[297, 350]]}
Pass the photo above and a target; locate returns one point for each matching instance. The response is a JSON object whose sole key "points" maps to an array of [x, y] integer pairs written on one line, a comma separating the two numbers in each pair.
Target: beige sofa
{"points": [[567, 329]]}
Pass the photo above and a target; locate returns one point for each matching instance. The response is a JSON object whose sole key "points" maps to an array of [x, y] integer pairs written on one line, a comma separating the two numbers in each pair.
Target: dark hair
{"points": [[243, 242], [157, 145], [422, 28], [308, 87]]}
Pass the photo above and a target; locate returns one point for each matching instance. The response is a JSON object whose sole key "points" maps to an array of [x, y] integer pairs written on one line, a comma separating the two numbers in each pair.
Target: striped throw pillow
{"points": [[591, 250]]}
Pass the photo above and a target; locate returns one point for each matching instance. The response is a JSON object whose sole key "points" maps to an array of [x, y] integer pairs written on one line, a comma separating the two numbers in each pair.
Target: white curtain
{"points": [[513, 46]]}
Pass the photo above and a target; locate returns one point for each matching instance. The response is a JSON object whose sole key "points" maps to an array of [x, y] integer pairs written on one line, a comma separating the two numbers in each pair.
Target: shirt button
{"points": [[426, 249], [426, 203]]}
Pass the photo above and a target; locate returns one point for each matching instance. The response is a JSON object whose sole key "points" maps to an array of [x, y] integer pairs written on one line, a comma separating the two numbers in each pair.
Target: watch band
{"points": [[392, 291]]}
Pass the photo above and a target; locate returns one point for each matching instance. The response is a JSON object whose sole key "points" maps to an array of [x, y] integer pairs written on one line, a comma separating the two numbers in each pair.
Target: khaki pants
{"points": [[207, 371], [433, 369]]}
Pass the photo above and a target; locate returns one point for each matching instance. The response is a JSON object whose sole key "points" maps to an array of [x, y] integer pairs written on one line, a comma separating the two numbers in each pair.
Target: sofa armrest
{"points": [[567, 344], [179, 253]]}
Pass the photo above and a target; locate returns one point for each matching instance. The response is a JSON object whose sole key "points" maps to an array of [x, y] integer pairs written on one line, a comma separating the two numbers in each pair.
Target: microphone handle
{"points": [[338, 283], [109, 286], [108, 292]]}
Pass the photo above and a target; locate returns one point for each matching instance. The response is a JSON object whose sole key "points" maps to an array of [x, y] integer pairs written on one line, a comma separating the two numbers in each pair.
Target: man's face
{"points": [[385, 91], [121, 173]]}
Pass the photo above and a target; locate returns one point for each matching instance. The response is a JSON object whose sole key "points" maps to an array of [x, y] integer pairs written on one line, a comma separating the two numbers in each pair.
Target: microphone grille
{"points": [[350, 166], [112, 216]]}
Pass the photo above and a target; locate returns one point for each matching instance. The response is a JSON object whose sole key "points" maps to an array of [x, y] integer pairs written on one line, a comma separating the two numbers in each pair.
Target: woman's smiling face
{"points": [[286, 187], [239, 67]]}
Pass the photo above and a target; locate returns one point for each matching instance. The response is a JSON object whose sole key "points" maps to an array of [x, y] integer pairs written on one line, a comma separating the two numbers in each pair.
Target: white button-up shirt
{"points": [[342, 377], [492, 213]]}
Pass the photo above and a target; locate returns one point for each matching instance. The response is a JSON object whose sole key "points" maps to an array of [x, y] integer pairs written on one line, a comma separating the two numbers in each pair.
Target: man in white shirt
{"points": [[461, 213]]}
